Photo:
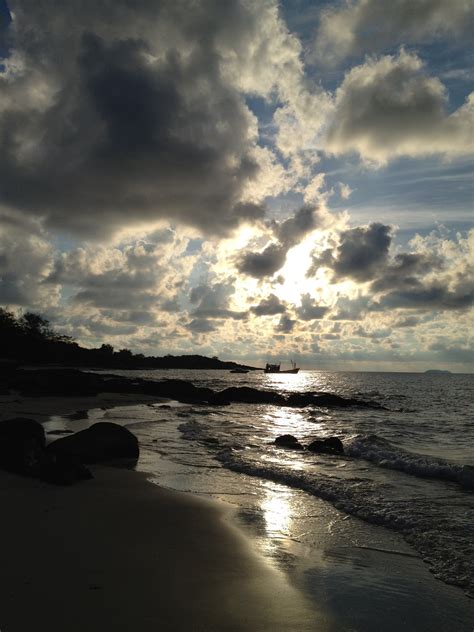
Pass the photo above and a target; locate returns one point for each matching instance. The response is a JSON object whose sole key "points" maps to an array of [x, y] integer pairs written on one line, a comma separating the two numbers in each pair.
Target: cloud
{"points": [[201, 326], [310, 310], [289, 233], [212, 301], [389, 107], [354, 28], [360, 253], [263, 264], [285, 324], [269, 306], [430, 296], [124, 115], [405, 269], [26, 260]]}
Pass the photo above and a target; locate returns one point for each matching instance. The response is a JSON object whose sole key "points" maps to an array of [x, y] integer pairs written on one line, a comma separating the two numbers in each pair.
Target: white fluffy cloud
{"points": [[359, 26], [390, 107]]}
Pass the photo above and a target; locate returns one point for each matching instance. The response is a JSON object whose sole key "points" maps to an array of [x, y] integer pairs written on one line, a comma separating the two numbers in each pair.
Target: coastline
{"points": [[43, 408], [120, 553], [188, 562]]}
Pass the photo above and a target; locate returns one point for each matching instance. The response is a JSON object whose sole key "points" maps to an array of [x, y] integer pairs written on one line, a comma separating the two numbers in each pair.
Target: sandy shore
{"points": [[118, 553], [42, 408]]}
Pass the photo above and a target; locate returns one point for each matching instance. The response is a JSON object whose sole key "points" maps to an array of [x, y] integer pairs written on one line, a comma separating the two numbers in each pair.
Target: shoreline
{"points": [[43, 408], [308, 598], [120, 553]]}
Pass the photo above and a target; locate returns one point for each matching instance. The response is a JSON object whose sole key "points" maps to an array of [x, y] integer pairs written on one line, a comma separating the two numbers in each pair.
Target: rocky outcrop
{"points": [[288, 441], [71, 382], [248, 395], [22, 451], [102, 442], [22, 444], [326, 400], [331, 445]]}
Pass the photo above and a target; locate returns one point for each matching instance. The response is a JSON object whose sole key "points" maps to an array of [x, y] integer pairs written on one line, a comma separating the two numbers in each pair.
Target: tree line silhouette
{"points": [[29, 339]]}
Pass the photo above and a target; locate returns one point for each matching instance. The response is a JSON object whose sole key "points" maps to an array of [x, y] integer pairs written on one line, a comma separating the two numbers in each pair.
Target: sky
{"points": [[251, 179]]}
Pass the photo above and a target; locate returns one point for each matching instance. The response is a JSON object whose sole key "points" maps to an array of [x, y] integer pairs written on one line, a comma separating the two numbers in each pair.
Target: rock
{"points": [[63, 469], [331, 445], [100, 443], [288, 441], [248, 395], [22, 444], [60, 432]]}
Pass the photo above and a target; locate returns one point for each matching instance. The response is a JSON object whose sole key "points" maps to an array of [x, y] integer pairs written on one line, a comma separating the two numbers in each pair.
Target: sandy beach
{"points": [[42, 408], [118, 553], [122, 553]]}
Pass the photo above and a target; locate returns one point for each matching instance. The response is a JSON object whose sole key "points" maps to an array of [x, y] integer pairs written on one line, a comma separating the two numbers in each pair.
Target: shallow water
{"points": [[338, 525]]}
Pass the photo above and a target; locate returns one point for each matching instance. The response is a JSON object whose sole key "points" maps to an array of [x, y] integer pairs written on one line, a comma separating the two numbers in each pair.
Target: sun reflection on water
{"points": [[276, 507]]}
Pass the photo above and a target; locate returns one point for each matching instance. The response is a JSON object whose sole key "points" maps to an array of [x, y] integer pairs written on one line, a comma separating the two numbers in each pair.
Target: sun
{"points": [[296, 283]]}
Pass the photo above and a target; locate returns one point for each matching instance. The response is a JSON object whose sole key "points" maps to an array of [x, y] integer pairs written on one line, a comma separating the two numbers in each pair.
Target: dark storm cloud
{"points": [[361, 252], [133, 119], [269, 306], [309, 309], [288, 233]]}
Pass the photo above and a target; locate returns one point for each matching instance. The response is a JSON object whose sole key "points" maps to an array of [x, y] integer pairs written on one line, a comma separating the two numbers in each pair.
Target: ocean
{"points": [[401, 493]]}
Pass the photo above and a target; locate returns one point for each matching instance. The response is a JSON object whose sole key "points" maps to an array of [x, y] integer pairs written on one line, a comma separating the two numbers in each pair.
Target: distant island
{"points": [[29, 339], [438, 372]]}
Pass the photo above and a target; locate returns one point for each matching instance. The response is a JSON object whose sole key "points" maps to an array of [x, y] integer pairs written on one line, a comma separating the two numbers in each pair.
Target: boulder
{"points": [[331, 445], [63, 469], [100, 443], [288, 441], [248, 395], [22, 444]]}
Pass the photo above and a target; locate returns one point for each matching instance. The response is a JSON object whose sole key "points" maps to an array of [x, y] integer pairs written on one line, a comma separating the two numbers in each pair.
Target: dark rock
{"points": [[331, 445], [100, 443], [63, 469], [211, 441], [22, 443], [60, 432], [288, 441], [326, 400], [248, 395]]}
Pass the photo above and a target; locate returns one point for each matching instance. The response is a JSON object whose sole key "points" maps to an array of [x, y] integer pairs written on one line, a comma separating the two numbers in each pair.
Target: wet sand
{"points": [[119, 553]]}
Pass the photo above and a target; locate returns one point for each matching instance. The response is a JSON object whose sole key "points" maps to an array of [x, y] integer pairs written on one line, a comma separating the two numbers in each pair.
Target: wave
{"points": [[444, 545], [442, 539], [384, 454]]}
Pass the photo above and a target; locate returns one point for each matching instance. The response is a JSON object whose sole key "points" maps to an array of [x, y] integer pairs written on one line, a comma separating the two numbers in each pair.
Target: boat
{"points": [[239, 371], [275, 368]]}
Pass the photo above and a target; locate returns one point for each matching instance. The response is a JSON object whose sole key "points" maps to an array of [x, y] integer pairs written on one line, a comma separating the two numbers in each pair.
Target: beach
{"points": [[118, 553], [204, 546]]}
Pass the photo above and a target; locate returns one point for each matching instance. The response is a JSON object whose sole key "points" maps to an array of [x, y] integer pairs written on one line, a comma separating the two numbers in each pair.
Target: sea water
{"points": [[403, 490]]}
